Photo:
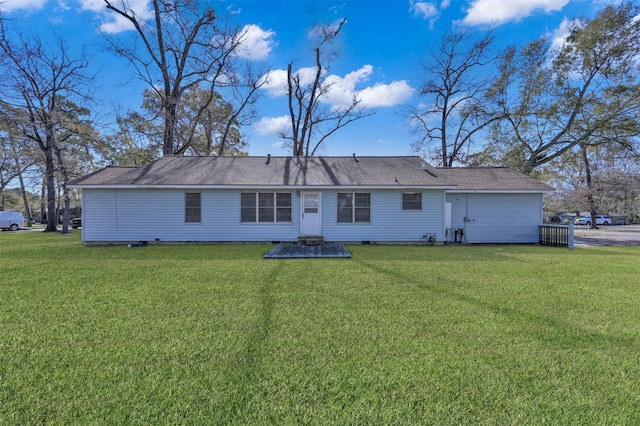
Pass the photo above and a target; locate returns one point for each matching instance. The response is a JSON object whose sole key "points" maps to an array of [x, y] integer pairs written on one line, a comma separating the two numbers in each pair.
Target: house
{"points": [[342, 199]]}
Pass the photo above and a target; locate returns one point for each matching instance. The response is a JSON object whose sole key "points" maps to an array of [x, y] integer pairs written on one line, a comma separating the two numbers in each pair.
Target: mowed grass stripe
{"points": [[396, 335]]}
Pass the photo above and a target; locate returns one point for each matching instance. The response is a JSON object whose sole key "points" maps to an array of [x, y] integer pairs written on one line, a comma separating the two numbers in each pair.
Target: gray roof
{"points": [[108, 174], [270, 171], [491, 178], [405, 171]]}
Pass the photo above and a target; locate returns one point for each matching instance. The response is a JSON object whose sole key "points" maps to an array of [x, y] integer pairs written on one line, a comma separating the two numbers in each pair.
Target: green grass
{"points": [[214, 334]]}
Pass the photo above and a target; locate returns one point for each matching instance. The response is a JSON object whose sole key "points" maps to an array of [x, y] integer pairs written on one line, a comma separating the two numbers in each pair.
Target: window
{"points": [[248, 207], [354, 207], [193, 207], [265, 207], [411, 201], [283, 207]]}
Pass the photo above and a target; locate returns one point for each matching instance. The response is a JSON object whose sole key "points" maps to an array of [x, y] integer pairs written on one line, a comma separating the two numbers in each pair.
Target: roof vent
{"points": [[354, 158], [423, 165], [268, 159]]}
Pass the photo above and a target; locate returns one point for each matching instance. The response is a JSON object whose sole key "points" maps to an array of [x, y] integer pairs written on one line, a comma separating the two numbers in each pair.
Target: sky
{"points": [[381, 50]]}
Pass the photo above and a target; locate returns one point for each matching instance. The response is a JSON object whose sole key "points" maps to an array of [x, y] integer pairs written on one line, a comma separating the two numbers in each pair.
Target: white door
{"points": [[311, 222]]}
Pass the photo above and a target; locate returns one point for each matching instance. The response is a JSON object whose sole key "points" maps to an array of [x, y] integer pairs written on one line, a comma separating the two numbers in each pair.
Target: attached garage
{"points": [[493, 205]]}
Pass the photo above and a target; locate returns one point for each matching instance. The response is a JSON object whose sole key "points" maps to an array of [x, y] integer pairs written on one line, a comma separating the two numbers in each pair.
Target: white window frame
{"points": [[275, 207], [354, 207], [412, 201], [188, 208]]}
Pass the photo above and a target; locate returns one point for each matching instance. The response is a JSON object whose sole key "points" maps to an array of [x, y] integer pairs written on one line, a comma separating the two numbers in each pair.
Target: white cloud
{"points": [[341, 90], [92, 5], [12, 5], [276, 80], [501, 11], [116, 23], [318, 31], [385, 95], [272, 125], [234, 10], [256, 43], [559, 36], [424, 9]]}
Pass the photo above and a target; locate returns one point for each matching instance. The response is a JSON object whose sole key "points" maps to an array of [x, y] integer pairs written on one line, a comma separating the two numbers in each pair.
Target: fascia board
{"points": [[262, 187], [500, 191]]}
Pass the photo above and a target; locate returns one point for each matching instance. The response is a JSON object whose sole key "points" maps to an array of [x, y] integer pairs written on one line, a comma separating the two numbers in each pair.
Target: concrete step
{"points": [[311, 240]]}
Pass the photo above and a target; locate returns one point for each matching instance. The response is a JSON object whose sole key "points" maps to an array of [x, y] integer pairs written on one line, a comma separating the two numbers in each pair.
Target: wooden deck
{"points": [[294, 251]]}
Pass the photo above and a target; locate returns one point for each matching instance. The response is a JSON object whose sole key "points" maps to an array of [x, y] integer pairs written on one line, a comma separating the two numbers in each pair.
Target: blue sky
{"points": [[380, 51]]}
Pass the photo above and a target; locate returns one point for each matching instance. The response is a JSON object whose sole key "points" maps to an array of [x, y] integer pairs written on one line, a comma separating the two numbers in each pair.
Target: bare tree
{"points": [[38, 80], [202, 131], [459, 82], [184, 45], [244, 87], [311, 121]]}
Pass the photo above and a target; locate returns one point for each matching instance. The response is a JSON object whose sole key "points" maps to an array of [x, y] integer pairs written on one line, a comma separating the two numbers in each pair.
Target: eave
{"points": [[501, 191], [262, 187]]}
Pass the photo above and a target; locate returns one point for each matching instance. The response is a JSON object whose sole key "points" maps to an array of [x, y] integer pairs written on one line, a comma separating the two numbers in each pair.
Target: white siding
{"points": [[497, 218], [149, 214], [99, 213], [144, 215], [388, 221]]}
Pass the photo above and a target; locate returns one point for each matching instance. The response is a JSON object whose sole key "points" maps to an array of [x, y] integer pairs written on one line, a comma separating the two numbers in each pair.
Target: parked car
{"points": [[600, 220], [76, 222], [12, 221]]}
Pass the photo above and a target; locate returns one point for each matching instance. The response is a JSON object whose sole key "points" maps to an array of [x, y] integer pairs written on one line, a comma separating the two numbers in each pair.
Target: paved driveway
{"points": [[620, 235]]}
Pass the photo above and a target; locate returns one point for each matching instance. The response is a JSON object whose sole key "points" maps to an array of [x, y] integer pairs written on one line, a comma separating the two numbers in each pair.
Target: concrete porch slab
{"points": [[295, 251]]}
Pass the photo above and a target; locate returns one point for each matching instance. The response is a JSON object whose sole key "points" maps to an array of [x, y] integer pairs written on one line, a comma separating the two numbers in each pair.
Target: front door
{"points": [[311, 221]]}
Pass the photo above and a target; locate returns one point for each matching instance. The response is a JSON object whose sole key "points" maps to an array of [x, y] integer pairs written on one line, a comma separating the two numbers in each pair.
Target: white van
{"points": [[12, 221]]}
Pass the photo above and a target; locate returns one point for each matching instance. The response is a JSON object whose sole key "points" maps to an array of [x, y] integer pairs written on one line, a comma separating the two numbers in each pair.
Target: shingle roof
{"points": [[403, 171], [491, 178], [271, 171], [106, 174]]}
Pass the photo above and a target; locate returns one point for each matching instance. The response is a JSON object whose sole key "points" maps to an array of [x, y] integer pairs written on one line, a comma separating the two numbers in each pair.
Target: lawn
{"points": [[214, 334]]}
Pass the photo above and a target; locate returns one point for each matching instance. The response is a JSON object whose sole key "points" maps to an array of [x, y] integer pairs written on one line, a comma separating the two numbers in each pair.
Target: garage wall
{"points": [[497, 217]]}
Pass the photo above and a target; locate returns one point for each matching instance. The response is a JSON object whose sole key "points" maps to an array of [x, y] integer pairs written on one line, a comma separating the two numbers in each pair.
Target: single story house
{"points": [[342, 199]]}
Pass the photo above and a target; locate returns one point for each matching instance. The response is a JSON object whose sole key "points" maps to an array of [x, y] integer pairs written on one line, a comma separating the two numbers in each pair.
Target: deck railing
{"points": [[556, 235]]}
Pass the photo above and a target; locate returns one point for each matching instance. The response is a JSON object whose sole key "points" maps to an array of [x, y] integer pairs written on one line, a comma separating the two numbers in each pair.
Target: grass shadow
{"points": [[245, 369], [563, 335]]}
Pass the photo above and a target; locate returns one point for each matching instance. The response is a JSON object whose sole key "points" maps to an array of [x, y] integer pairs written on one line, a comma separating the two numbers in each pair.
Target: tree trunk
{"points": [[590, 189], [65, 191], [43, 205], [169, 130], [52, 226], [443, 125], [25, 199], [23, 190]]}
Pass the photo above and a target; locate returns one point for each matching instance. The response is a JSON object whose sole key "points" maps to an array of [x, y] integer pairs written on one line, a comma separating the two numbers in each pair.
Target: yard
{"points": [[214, 334]]}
